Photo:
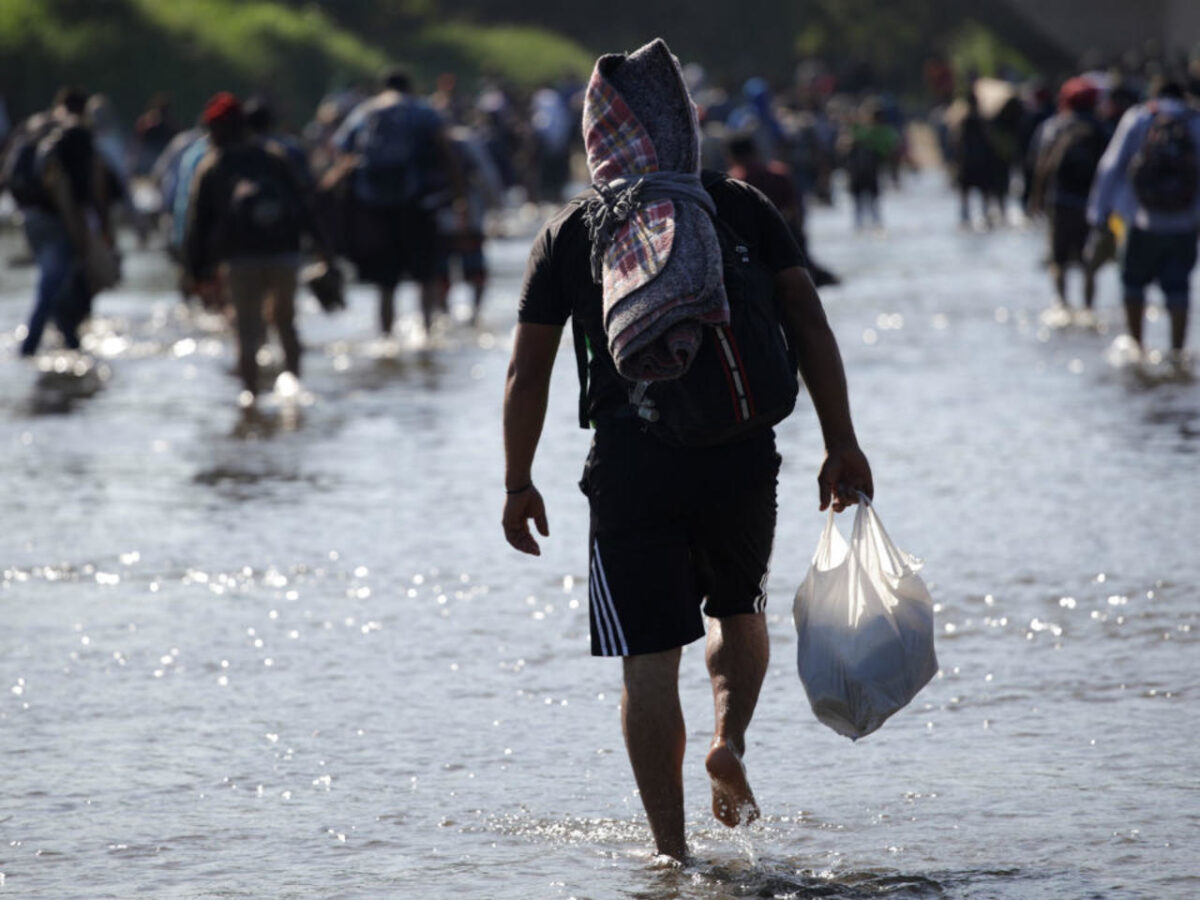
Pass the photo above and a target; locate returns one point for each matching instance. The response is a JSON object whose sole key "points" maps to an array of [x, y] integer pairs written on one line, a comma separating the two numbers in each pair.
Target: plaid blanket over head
{"points": [[618, 146], [661, 273]]}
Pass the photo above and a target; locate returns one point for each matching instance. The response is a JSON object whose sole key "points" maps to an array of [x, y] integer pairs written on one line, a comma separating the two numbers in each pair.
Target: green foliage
{"points": [[131, 48], [975, 48], [527, 56], [293, 51], [256, 38], [296, 50], [890, 36]]}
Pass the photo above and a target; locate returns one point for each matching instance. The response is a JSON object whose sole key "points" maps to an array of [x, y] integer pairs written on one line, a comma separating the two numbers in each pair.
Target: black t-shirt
{"points": [[558, 277]]}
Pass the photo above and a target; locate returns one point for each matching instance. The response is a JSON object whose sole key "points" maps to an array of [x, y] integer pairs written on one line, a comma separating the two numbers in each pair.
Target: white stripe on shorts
{"points": [[760, 602], [607, 610], [599, 617]]}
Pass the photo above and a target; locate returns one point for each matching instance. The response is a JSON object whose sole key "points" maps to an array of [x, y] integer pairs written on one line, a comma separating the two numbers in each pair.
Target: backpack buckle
{"points": [[643, 405]]}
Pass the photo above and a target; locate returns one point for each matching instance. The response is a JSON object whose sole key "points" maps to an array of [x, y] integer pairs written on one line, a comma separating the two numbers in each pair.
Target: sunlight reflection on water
{"points": [[269, 651]]}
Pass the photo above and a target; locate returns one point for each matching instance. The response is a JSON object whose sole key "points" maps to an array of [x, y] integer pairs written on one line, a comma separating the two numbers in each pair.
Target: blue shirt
{"points": [[354, 133], [1113, 191]]}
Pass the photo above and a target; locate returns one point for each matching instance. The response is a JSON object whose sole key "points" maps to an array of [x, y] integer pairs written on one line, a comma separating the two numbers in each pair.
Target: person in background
{"points": [[260, 121], [975, 161], [1101, 246], [775, 181], [871, 144], [551, 125], [60, 183], [460, 240], [165, 174], [245, 222], [756, 114], [395, 150], [152, 132], [1066, 151], [112, 148], [1150, 177], [1039, 106]]}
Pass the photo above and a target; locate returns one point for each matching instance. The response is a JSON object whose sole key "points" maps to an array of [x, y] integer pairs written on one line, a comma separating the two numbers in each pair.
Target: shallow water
{"points": [[290, 654]]}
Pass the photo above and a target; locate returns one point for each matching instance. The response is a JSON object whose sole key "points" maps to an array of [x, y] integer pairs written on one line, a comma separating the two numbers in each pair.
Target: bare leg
{"points": [[1135, 307], [284, 316], [430, 299], [737, 655], [1059, 274], [477, 287], [652, 720], [250, 330], [1179, 323], [387, 308], [246, 288]]}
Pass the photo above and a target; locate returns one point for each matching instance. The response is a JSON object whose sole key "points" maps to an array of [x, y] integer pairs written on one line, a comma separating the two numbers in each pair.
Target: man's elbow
{"points": [[525, 377]]}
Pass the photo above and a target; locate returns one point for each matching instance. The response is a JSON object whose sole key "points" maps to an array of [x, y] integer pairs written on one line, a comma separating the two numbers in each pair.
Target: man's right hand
{"points": [[519, 508]]}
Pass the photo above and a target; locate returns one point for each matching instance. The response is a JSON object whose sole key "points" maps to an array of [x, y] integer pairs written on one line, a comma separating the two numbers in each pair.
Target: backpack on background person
{"points": [[262, 207], [1163, 171], [1074, 157], [24, 164], [394, 169]]}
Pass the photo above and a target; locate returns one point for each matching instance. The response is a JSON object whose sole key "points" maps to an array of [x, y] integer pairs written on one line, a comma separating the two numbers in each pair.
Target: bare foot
{"points": [[733, 801]]}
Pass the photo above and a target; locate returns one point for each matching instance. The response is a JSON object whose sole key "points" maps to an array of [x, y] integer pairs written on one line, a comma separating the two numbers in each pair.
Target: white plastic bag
{"points": [[864, 619]]}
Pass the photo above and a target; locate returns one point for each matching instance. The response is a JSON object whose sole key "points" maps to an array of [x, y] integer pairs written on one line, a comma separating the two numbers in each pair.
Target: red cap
{"points": [[1078, 94], [220, 106]]}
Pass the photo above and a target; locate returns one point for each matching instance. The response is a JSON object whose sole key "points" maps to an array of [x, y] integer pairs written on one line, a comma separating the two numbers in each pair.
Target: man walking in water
{"points": [[678, 532], [1150, 176], [246, 219], [402, 163]]}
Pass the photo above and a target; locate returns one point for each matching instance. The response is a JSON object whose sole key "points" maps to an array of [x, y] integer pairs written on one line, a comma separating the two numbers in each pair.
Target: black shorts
{"points": [[391, 243], [1068, 234], [675, 533], [467, 248], [1167, 258]]}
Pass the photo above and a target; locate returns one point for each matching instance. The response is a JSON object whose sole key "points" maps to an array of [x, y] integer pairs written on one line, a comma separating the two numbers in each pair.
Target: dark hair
{"points": [[72, 98], [1166, 86], [398, 79], [259, 116], [229, 129], [741, 147]]}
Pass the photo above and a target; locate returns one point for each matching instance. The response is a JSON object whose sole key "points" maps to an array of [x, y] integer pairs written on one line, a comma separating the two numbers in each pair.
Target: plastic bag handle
{"points": [[895, 557], [823, 545]]}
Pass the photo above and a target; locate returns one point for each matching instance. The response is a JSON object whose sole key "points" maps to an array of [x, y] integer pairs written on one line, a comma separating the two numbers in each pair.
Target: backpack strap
{"points": [[581, 367], [579, 336]]}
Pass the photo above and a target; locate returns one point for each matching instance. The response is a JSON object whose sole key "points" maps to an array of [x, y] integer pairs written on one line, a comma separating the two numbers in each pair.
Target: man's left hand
{"points": [[845, 473]]}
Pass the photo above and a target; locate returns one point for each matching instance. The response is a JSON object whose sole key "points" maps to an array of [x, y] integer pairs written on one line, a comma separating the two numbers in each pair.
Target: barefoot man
{"points": [[679, 534]]}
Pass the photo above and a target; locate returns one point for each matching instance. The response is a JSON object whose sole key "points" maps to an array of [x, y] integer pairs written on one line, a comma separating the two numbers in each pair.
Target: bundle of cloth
{"points": [[654, 245]]}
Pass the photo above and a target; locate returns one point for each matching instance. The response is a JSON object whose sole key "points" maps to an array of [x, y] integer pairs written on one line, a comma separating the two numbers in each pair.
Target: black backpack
{"points": [[262, 210], [1074, 157], [743, 378], [1163, 171], [22, 171]]}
